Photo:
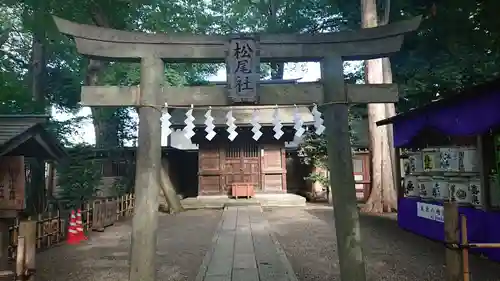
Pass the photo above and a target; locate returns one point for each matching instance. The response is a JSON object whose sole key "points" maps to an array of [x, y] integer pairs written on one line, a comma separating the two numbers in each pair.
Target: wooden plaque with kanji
{"points": [[243, 73], [12, 183]]}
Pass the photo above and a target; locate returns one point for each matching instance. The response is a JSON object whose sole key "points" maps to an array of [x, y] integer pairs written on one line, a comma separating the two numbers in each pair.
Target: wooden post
{"points": [[4, 243], [148, 165], [465, 250], [51, 180], [27, 229], [173, 201], [351, 260], [452, 235], [5, 270], [20, 258]]}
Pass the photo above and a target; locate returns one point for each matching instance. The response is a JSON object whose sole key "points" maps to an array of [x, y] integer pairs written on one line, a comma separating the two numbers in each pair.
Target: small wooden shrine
{"points": [[261, 163], [21, 136]]}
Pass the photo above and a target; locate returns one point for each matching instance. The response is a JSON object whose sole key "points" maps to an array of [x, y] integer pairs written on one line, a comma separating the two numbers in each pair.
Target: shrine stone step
{"points": [[264, 200], [281, 200]]}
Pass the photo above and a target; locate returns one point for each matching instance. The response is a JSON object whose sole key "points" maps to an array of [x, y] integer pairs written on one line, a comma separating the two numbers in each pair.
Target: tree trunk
{"points": [[105, 124], [390, 110], [382, 197], [36, 193], [105, 127], [106, 135], [277, 68]]}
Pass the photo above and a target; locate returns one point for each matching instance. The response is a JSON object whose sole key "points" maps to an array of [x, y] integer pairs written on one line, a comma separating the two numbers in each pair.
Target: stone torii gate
{"points": [[153, 50]]}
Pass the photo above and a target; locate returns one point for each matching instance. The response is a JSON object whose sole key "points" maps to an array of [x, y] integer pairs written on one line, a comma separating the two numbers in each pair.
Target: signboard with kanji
{"points": [[12, 183], [243, 71]]}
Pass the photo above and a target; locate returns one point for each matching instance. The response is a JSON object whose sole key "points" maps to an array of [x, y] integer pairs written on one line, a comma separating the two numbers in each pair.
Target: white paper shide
{"points": [[256, 125], [189, 121], [165, 126], [209, 123], [277, 124], [318, 120], [231, 127], [298, 123]]}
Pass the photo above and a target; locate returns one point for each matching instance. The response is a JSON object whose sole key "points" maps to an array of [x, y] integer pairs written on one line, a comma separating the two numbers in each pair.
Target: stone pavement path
{"points": [[245, 250]]}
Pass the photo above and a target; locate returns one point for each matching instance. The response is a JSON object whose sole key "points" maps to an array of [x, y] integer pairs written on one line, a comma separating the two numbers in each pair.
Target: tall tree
{"points": [[36, 73], [383, 194]]}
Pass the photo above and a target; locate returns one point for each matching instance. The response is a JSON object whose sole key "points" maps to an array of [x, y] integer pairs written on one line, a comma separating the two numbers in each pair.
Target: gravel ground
{"points": [[182, 243], [308, 238]]}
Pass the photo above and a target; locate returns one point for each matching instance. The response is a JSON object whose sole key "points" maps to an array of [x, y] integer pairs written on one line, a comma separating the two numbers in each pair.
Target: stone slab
{"points": [[263, 200]]}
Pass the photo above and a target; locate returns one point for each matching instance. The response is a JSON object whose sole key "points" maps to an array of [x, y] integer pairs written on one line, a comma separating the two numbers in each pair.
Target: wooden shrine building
{"points": [[24, 137], [222, 162]]}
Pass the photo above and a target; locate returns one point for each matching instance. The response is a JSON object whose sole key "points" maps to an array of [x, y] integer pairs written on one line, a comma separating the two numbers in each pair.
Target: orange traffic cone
{"points": [[79, 226], [72, 232]]}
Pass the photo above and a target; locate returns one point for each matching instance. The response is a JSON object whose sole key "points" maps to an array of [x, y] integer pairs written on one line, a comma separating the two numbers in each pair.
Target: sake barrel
{"points": [[469, 160], [411, 186], [415, 162], [431, 158], [494, 191], [425, 187], [459, 188], [449, 159], [475, 189], [405, 166], [440, 189]]}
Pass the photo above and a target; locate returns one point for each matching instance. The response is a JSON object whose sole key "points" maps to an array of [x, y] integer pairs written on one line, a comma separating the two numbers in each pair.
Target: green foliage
{"points": [[79, 177], [123, 185], [313, 151], [456, 46], [320, 178]]}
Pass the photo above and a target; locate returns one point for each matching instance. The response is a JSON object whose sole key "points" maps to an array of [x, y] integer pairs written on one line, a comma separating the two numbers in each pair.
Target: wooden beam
{"points": [[351, 261], [147, 178], [269, 94], [116, 44]]}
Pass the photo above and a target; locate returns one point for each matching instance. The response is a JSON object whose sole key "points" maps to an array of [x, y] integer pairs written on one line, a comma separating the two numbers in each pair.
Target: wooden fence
{"points": [[51, 227]]}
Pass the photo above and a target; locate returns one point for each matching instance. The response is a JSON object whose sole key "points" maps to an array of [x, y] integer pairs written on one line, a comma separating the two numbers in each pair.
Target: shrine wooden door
{"points": [[242, 164]]}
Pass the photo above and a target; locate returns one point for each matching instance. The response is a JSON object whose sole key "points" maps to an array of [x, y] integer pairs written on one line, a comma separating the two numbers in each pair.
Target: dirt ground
{"points": [[182, 243], [306, 234], [308, 238]]}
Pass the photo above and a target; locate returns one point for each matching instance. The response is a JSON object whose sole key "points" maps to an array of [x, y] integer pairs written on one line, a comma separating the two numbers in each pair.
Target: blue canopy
{"points": [[472, 112]]}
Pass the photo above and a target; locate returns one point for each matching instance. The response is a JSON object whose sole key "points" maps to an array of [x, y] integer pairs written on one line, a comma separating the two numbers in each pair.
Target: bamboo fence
{"points": [[51, 227]]}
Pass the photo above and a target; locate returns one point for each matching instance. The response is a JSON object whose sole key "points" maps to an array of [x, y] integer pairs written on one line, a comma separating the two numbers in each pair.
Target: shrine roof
{"points": [[26, 135], [243, 116]]}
